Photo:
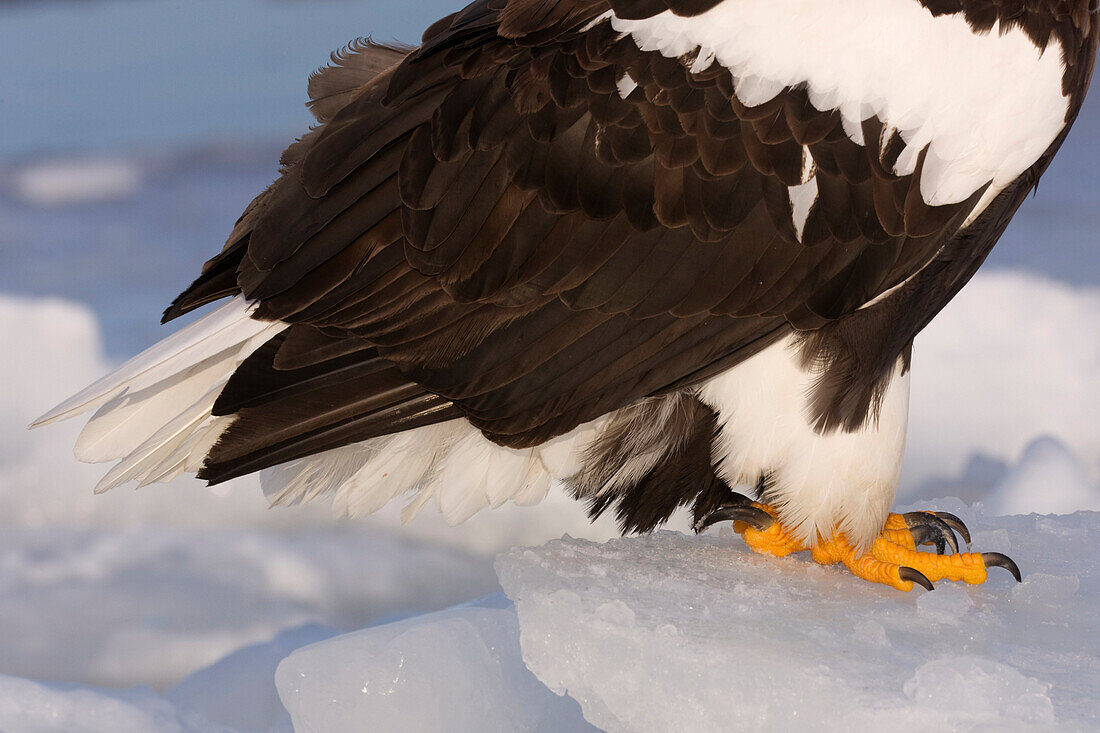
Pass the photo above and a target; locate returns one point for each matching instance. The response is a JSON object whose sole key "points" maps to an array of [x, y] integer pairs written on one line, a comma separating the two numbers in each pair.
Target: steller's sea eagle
{"points": [[653, 249]]}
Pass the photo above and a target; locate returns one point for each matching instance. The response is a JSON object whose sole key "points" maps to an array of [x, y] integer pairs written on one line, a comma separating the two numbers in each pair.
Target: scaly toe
{"points": [[775, 540], [968, 567], [867, 566]]}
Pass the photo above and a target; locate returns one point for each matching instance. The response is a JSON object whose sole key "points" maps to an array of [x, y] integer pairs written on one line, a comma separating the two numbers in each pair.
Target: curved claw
{"points": [[943, 530], [756, 518], [916, 576], [956, 524], [998, 560], [925, 534]]}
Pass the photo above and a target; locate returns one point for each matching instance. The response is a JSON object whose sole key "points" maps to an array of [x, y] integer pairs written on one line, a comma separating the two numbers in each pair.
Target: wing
{"points": [[531, 221]]}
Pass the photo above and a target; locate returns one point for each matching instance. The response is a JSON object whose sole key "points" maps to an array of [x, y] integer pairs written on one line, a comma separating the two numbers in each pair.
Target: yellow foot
{"points": [[774, 540], [757, 524], [893, 559]]}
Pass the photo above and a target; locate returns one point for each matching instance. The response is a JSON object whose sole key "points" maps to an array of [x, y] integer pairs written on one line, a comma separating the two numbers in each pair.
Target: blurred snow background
{"points": [[132, 134]]}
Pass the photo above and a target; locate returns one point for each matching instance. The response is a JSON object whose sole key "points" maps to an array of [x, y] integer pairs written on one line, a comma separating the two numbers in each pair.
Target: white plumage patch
{"points": [[804, 195], [452, 464], [820, 483], [154, 411], [626, 86], [988, 105]]}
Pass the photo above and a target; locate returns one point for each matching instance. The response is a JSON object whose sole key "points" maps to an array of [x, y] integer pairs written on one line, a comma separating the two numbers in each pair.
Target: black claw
{"points": [[997, 560], [747, 513], [916, 576], [941, 528], [956, 524], [925, 534], [948, 535]]}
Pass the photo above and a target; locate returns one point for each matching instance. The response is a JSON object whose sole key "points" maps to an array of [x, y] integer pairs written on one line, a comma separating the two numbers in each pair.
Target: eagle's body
{"points": [[653, 248]]}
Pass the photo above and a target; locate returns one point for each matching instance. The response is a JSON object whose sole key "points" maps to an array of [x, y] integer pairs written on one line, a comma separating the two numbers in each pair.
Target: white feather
{"points": [[406, 462], [535, 487], [515, 475], [563, 456], [412, 509], [154, 411], [626, 86], [823, 483], [227, 326], [145, 458], [189, 456], [452, 464], [989, 104], [804, 195], [300, 480], [122, 424], [476, 474]]}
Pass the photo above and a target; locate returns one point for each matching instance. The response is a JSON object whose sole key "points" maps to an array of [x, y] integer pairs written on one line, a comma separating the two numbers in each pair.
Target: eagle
{"points": [[654, 250]]}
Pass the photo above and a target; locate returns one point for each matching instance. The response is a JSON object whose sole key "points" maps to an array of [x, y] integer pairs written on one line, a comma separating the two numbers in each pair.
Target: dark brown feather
{"points": [[332, 87], [489, 230]]}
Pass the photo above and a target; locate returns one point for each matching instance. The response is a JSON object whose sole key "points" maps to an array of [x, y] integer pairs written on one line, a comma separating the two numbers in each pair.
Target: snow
{"points": [[1003, 363], [669, 632], [235, 695], [732, 640], [34, 707], [1049, 479], [239, 691], [149, 606], [459, 670]]}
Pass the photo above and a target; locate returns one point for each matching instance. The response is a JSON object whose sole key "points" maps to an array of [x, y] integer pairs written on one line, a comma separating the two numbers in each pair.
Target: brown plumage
{"points": [[528, 222]]}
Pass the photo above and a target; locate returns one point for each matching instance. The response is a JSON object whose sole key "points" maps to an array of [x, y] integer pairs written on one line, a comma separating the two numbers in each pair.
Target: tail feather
{"points": [[153, 414], [123, 423], [164, 360], [146, 460]]}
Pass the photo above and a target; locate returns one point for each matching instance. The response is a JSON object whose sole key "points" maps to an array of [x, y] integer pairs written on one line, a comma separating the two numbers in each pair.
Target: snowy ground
{"points": [[665, 633], [731, 640]]}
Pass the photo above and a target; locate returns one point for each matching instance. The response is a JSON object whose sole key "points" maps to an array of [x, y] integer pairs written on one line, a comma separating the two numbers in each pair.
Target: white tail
{"points": [[154, 411]]}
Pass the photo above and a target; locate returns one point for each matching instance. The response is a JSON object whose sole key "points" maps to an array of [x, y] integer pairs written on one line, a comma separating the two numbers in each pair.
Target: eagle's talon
{"points": [[926, 534], [1000, 560], [956, 524], [751, 515], [933, 530], [915, 576]]}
